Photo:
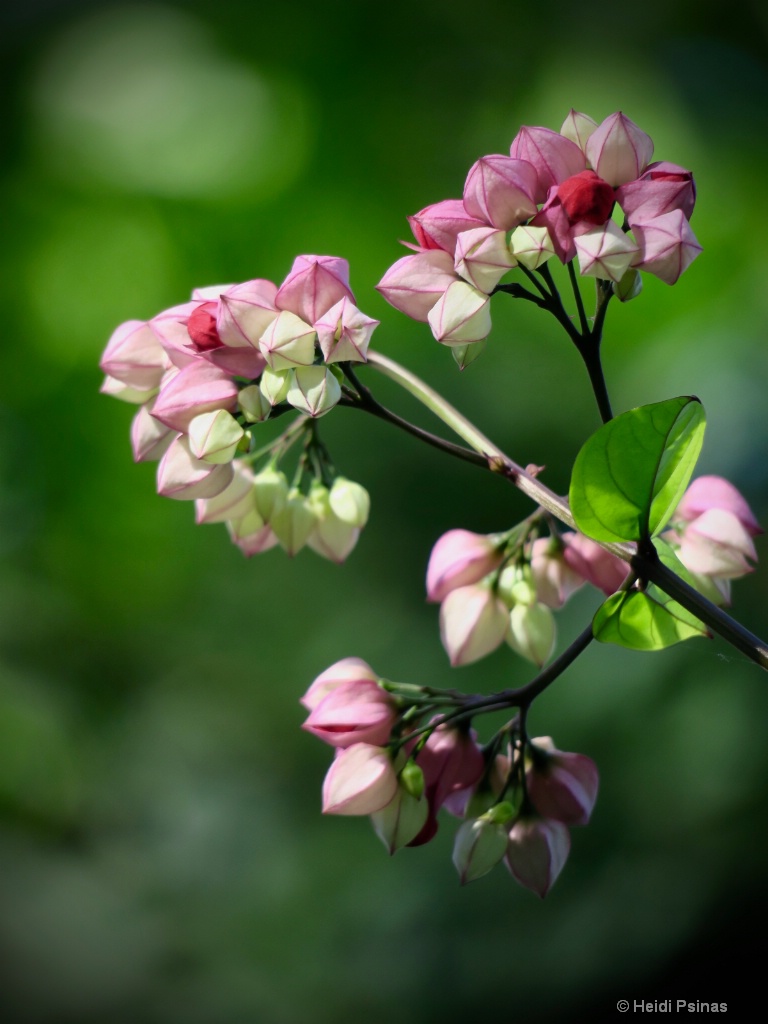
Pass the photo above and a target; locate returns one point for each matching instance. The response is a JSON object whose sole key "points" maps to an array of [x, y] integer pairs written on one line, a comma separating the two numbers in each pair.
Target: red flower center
{"points": [[201, 327], [585, 196]]}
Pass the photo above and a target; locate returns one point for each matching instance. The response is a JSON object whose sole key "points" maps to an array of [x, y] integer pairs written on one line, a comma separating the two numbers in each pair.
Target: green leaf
{"points": [[630, 475], [644, 622]]}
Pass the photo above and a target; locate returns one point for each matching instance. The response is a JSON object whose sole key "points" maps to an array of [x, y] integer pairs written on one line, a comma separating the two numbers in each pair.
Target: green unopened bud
{"points": [[271, 492], [515, 585], [630, 285], [401, 820], [532, 632], [314, 390], [500, 813], [350, 502], [294, 522], [214, 436], [463, 355], [252, 403], [274, 385], [479, 846], [412, 778]]}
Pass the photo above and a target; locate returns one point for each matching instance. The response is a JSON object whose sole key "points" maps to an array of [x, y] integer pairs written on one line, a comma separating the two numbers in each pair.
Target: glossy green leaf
{"points": [[648, 620], [630, 475]]}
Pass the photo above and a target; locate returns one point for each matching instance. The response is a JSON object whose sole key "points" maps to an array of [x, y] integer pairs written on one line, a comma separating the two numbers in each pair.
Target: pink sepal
{"points": [[314, 284], [180, 475], [593, 563], [668, 245], [344, 671], [361, 780], [439, 225], [500, 191], [415, 283], [357, 711], [458, 558], [537, 852], [198, 388], [553, 156], [707, 492], [660, 188], [618, 150]]}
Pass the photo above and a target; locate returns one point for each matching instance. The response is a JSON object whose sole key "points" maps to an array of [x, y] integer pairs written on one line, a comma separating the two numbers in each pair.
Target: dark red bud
{"points": [[585, 196], [201, 327]]}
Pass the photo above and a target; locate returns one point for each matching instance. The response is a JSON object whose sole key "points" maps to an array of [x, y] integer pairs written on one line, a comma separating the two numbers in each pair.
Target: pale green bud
{"points": [[314, 390], [463, 355], [479, 846], [294, 522], [516, 585], [274, 385], [271, 492], [401, 820], [350, 502], [532, 632], [630, 285], [253, 404], [214, 436]]}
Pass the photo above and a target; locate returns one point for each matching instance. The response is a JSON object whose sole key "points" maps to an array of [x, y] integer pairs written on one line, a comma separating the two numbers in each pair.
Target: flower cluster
{"points": [[514, 808], [206, 372], [711, 533], [588, 191], [504, 587]]}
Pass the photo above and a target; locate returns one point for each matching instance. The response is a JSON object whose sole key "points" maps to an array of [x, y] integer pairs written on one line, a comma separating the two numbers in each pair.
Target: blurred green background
{"points": [[162, 855]]}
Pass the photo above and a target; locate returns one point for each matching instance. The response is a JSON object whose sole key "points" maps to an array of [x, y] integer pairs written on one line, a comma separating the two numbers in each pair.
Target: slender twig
{"points": [[579, 301]]}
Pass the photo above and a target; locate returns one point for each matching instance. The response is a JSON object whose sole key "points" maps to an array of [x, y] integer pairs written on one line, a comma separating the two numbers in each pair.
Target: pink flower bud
{"points": [[553, 579], [578, 128], [244, 312], [561, 786], [198, 388], [461, 315], [473, 622], [537, 852], [251, 535], [314, 284], [458, 558], [415, 283], [180, 475], [659, 189], [593, 563], [288, 342], [361, 780], [451, 762], [347, 670], [344, 333], [134, 356], [707, 492], [716, 543], [125, 392], [605, 252], [358, 711], [500, 190], [668, 246], [483, 257], [618, 150], [553, 156], [439, 225], [149, 437]]}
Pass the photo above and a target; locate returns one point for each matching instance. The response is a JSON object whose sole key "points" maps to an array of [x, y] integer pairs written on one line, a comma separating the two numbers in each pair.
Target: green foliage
{"points": [[630, 475], [644, 621]]}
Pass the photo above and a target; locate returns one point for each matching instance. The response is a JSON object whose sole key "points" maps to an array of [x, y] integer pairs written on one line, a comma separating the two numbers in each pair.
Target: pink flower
{"points": [[553, 156], [473, 622], [605, 252], [451, 762], [460, 557], [439, 225], [667, 244], [347, 670], [561, 786], [706, 492], [575, 206], [662, 187], [500, 191], [415, 283], [344, 333], [314, 284], [134, 356], [618, 150], [198, 388], [361, 780], [717, 543], [593, 563], [358, 711], [553, 578], [537, 852], [180, 475]]}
